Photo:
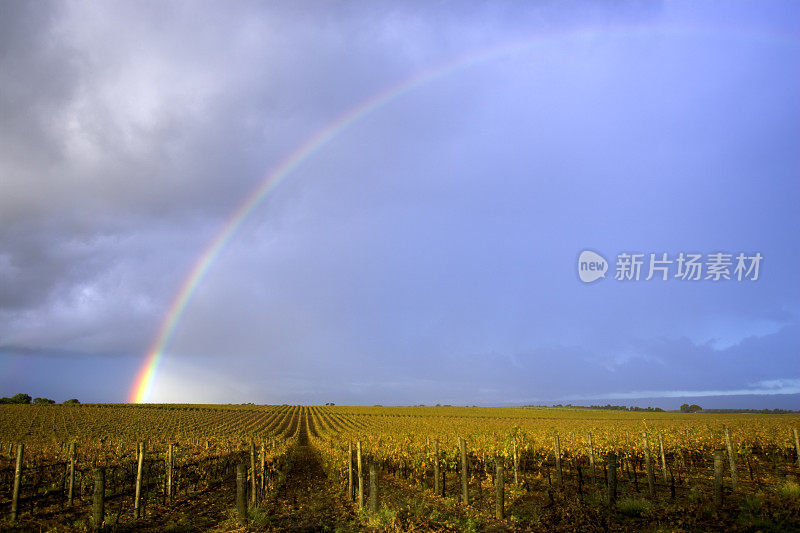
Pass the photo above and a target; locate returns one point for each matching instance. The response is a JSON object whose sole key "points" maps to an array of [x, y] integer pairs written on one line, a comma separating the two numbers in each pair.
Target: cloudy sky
{"points": [[427, 251]]}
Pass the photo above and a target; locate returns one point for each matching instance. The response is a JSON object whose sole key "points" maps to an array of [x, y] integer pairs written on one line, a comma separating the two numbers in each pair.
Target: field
{"points": [[296, 468]]}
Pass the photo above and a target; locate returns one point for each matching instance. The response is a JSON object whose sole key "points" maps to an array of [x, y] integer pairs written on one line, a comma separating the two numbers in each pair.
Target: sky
{"points": [[450, 161]]}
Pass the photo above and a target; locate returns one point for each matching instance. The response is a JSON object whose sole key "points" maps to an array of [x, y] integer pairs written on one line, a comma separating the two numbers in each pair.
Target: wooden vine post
{"points": [[462, 444], [499, 487], [373, 485], [611, 472], [516, 464], [71, 485], [139, 471], [241, 492], [651, 489], [17, 482], [263, 468], [436, 466], [731, 458], [350, 470], [360, 476], [253, 485], [796, 445], [169, 471], [98, 499]]}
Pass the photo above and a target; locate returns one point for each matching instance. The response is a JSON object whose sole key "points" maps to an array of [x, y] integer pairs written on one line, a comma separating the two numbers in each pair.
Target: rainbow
{"points": [[145, 378]]}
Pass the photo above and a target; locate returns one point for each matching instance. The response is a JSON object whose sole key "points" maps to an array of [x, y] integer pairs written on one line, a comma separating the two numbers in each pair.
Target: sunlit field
{"points": [[527, 468]]}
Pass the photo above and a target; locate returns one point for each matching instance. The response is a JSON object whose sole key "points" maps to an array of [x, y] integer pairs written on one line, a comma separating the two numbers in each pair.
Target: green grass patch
{"points": [[258, 516], [383, 518], [789, 489], [752, 503], [634, 507]]}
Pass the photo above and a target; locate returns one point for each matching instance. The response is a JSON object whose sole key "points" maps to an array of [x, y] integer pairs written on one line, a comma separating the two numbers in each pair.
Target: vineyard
{"points": [[297, 468]]}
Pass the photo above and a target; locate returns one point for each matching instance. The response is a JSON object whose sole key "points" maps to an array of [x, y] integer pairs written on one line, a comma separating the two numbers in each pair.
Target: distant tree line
{"points": [[25, 399], [685, 408], [753, 411], [609, 407]]}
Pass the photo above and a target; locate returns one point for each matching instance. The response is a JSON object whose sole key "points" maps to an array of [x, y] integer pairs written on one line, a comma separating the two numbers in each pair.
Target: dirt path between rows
{"points": [[306, 501]]}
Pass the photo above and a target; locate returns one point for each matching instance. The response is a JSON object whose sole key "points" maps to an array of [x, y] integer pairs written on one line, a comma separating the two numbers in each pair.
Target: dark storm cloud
{"points": [[150, 121], [128, 123]]}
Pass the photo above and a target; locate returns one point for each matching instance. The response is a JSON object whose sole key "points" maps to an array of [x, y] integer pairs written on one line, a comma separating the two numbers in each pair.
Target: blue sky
{"points": [[428, 252]]}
